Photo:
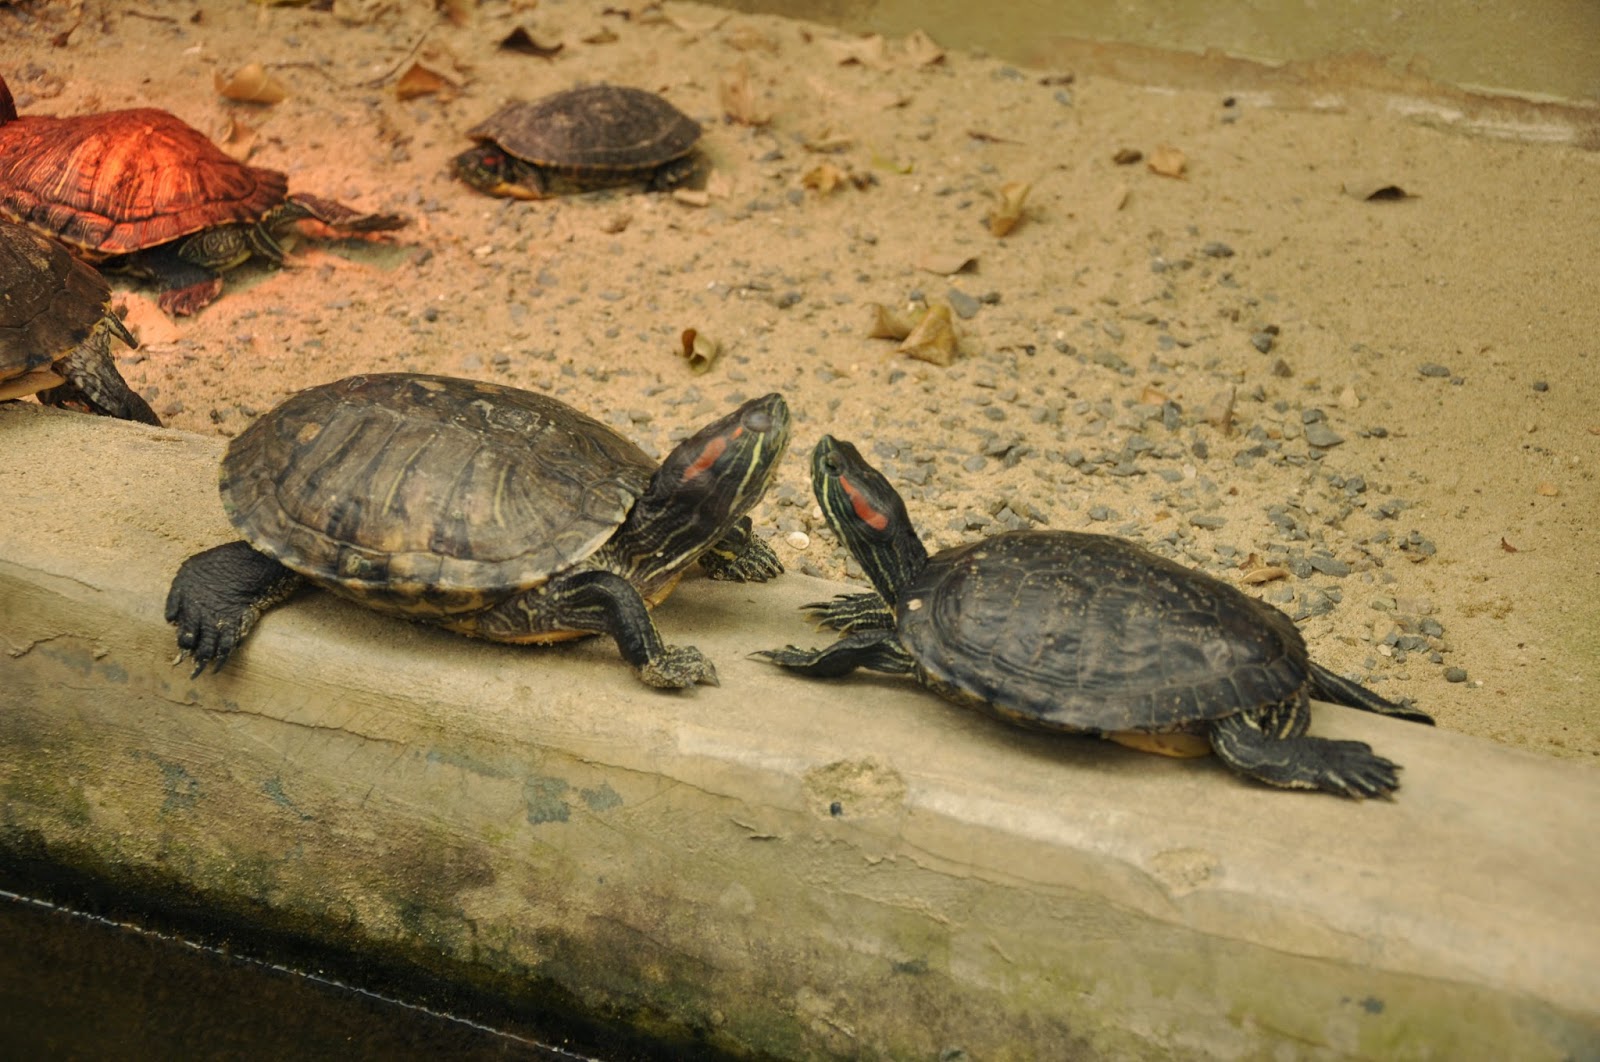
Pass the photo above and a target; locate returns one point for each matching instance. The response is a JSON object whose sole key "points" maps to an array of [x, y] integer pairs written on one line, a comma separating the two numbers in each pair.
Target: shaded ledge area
{"points": [[775, 868]]}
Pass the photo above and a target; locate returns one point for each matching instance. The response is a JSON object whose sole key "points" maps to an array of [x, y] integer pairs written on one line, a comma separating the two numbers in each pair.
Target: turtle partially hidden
{"points": [[596, 136], [484, 509], [141, 191], [56, 326], [1083, 633]]}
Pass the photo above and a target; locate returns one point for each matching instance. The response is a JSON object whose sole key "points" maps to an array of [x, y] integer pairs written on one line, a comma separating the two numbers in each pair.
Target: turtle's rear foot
{"points": [[677, 667], [1346, 768], [217, 597]]}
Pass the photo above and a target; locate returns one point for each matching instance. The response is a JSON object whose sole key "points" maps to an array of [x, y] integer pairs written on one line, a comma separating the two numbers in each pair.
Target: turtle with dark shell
{"points": [[141, 191], [491, 511], [56, 327], [592, 137], [1084, 633]]}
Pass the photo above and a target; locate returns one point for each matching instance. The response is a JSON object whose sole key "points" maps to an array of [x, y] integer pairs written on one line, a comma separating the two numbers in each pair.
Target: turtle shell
{"points": [[50, 304], [1084, 632], [121, 181], [608, 129], [429, 496]]}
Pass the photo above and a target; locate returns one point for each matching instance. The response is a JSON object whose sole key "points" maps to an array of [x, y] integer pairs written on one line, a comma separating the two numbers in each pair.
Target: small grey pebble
{"points": [[1320, 435], [1429, 368], [1216, 249], [1540, 385], [1262, 342], [1455, 674], [1100, 512], [975, 463], [964, 305]]}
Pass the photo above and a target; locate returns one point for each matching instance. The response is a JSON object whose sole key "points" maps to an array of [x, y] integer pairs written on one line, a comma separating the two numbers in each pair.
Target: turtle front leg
{"points": [[93, 379], [1271, 746], [217, 597], [875, 650], [741, 556], [602, 602], [851, 612], [187, 285]]}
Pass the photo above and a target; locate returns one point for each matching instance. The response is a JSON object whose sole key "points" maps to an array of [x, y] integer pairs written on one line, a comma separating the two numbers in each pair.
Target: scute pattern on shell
{"points": [[122, 181], [49, 301], [427, 495], [1087, 632], [608, 128]]}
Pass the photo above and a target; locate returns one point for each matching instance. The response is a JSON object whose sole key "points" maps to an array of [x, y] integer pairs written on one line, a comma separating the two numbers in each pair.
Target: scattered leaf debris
{"points": [[251, 83], [1013, 196], [1168, 161]]}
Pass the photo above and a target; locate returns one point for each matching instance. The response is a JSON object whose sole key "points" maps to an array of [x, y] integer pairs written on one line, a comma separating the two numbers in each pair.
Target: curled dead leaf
{"points": [[1264, 574], [824, 178], [1508, 547], [922, 50], [1008, 212], [418, 80], [521, 41], [934, 338], [1373, 190], [699, 350], [1168, 161], [890, 323], [739, 98], [239, 140], [251, 83]]}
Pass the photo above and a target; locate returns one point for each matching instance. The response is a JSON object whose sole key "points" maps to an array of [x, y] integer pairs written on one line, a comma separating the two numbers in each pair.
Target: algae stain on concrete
{"points": [[273, 787], [601, 797], [181, 789], [545, 799]]}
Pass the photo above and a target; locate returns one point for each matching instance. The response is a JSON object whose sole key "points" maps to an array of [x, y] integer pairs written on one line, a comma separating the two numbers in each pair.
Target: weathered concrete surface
{"points": [[792, 868]]}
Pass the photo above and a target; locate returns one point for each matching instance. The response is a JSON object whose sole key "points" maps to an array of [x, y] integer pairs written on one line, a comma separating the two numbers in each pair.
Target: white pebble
{"points": [[799, 539]]}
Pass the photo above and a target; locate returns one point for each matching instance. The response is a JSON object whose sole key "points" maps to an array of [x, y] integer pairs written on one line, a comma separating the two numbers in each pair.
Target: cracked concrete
{"points": [[775, 866]]}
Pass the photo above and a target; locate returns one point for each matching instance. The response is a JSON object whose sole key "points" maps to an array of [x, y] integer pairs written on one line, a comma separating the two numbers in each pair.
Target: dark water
{"points": [[79, 986]]}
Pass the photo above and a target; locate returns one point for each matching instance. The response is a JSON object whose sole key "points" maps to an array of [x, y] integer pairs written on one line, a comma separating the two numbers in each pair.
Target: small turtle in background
{"points": [[1083, 633], [56, 326], [143, 192], [488, 510], [581, 139]]}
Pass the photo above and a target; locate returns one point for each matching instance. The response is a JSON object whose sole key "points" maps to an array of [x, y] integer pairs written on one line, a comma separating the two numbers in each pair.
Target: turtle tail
{"points": [[1327, 686]]}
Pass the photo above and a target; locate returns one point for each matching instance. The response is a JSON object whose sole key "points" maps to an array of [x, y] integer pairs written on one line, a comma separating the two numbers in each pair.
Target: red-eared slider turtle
{"points": [[56, 326], [143, 192], [484, 509], [1083, 633], [583, 138]]}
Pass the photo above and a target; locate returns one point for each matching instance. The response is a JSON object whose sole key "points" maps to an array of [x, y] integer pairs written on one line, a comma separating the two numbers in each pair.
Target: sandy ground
{"points": [[1414, 451]]}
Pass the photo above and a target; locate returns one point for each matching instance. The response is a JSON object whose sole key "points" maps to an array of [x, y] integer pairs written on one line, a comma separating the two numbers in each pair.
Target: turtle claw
{"points": [[679, 667]]}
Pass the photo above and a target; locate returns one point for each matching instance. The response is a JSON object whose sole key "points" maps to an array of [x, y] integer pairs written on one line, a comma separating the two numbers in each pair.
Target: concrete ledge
{"points": [[779, 867]]}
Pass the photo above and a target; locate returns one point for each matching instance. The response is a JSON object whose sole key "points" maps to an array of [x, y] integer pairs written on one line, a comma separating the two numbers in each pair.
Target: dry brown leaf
{"points": [[750, 39], [922, 50], [739, 98], [1508, 547], [251, 83], [1152, 396], [1219, 411], [1127, 156], [1547, 490], [1264, 574], [239, 140], [828, 143], [418, 80], [699, 349], [871, 50], [947, 263], [824, 178], [1373, 190], [616, 223], [934, 338], [1168, 161], [521, 41], [1006, 215], [890, 323], [691, 197]]}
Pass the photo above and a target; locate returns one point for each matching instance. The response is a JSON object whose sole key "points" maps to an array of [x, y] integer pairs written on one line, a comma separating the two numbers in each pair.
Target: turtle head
{"points": [[491, 170], [705, 487], [868, 515]]}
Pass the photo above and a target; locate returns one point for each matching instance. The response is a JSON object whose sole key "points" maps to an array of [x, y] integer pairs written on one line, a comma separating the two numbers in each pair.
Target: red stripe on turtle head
{"points": [[708, 457], [873, 517]]}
